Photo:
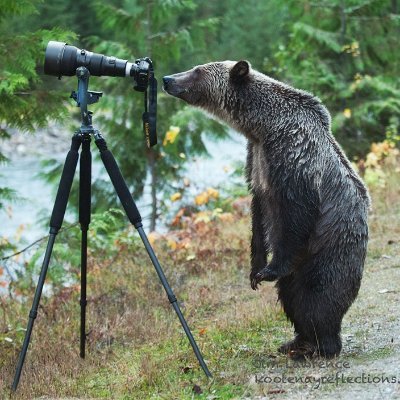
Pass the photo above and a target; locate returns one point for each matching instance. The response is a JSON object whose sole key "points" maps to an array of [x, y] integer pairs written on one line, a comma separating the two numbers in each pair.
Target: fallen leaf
{"points": [[213, 193], [187, 369], [152, 237], [172, 244], [383, 291], [347, 112], [226, 217], [197, 389], [171, 135], [201, 199], [176, 196], [276, 391], [202, 216]]}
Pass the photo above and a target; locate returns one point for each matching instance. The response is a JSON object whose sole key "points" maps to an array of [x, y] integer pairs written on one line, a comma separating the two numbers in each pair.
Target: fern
{"points": [[16, 7], [25, 103], [347, 55], [325, 38]]}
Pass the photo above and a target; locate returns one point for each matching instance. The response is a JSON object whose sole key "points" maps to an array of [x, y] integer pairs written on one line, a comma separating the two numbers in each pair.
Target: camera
{"points": [[62, 59]]}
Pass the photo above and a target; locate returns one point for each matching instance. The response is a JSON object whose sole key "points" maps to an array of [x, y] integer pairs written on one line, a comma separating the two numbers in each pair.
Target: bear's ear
{"points": [[239, 71]]}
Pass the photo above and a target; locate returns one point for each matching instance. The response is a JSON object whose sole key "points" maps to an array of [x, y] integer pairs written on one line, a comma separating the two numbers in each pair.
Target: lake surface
{"points": [[21, 221]]}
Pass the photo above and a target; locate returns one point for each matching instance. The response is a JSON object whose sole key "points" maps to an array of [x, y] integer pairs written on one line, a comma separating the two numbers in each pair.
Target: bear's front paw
{"points": [[266, 274], [253, 280]]}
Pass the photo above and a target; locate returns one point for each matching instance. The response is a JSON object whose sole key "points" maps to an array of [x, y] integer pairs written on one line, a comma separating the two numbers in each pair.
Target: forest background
{"points": [[343, 51]]}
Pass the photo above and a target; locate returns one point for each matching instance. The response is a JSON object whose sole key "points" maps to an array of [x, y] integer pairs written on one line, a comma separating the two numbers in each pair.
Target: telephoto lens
{"points": [[62, 59]]}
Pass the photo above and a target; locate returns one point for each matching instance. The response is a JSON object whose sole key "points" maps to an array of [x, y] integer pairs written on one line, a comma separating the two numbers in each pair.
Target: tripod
{"points": [[82, 137]]}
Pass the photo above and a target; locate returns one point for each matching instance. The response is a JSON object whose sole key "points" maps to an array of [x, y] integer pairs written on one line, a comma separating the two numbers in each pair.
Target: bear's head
{"points": [[208, 83], [220, 88], [249, 101]]}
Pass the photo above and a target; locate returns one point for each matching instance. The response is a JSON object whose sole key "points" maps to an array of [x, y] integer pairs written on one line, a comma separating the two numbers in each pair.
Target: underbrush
{"points": [[136, 348]]}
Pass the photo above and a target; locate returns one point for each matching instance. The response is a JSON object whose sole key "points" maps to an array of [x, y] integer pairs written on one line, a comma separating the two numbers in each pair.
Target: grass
{"points": [[136, 346]]}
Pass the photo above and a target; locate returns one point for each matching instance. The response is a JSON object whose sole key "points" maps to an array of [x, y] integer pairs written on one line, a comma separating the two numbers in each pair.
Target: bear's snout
{"points": [[184, 86], [167, 80], [173, 86]]}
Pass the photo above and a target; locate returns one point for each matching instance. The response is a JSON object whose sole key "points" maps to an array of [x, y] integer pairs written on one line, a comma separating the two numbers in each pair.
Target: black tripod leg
{"points": [[135, 218], [172, 299], [85, 177], [56, 220]]}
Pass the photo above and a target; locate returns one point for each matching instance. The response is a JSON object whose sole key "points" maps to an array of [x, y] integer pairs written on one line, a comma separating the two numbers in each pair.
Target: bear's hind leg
{"points": [[320, 328], [324, 346], [313, 340], [300, 346], [316, 317], [328, 345]]}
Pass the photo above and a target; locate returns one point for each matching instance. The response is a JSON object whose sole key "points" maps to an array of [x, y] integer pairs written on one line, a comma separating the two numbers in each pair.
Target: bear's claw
{"points": [[254, 283], [266, 274]]}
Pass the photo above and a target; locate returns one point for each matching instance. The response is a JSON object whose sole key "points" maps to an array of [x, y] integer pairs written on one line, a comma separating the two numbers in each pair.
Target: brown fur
{"points": [[309, 206]]}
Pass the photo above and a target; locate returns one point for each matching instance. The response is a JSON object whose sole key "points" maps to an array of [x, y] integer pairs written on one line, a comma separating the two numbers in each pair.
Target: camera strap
{"points": [[150, 108]]}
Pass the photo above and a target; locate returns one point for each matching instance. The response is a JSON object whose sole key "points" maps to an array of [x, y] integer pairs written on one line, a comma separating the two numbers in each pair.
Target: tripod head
{"points": [[84, 97]]}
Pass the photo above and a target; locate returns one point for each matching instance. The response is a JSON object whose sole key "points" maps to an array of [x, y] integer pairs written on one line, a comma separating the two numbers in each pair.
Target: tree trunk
{"points": [[151, 154], [343, 22]]}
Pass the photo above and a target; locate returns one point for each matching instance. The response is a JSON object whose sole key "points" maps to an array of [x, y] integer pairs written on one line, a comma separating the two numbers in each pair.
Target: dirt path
{"points": [[369, 366]]}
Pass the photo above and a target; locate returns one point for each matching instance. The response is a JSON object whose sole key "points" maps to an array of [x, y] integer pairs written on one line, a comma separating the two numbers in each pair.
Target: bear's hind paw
{"points": [[297, 349]]}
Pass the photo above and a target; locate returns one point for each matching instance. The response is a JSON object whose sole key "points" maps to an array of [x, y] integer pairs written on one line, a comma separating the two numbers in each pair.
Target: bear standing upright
{"points": [[309, 207]]}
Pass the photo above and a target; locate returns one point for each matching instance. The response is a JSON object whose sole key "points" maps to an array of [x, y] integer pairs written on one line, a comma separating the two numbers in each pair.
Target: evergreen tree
{"points": [[164, 31], [25, 102], [248, 30], [346, 53]]}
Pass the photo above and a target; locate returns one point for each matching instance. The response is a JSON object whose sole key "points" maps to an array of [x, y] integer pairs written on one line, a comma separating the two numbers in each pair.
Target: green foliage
{"points": [[6, 195], [25, 103], [20, 7], [345, 53], [129, 30], [162, 30], [247, 30], [328, 40], [108, 232], [107, 236]]}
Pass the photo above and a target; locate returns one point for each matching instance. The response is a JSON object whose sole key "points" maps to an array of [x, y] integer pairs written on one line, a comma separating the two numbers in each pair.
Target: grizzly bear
{"points": [[309, 207]]}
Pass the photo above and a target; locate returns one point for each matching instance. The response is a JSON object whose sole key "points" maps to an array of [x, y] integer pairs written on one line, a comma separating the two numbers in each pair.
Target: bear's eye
{"points": [[197, 70]]}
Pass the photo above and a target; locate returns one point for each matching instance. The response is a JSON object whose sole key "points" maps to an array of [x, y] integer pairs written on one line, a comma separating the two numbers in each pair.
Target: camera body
{"points": [[140, 73]]}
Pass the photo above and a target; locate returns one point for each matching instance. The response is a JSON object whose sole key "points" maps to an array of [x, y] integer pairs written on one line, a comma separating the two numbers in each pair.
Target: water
{"points": [[20, 222]]}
